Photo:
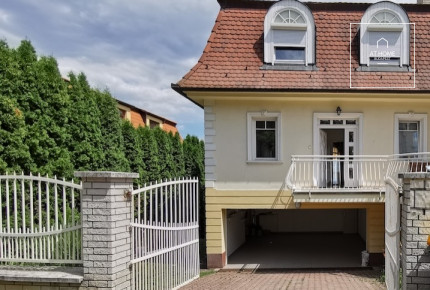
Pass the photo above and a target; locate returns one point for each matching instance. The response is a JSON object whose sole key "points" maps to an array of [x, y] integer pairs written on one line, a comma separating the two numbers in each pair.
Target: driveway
{"points": [[294, 279]]}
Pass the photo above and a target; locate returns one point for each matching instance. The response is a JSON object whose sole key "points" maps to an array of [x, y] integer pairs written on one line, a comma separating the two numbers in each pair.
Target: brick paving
{"points": [[294, 279]]}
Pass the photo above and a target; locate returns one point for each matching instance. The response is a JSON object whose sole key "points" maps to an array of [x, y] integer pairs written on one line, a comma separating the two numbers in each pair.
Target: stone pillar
{"points": [[106, 214], [415, 225]]}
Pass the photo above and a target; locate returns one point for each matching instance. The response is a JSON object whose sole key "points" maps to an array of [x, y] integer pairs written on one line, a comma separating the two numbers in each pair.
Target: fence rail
{"points": [[352, 173], [165, 235], [40, 220]]}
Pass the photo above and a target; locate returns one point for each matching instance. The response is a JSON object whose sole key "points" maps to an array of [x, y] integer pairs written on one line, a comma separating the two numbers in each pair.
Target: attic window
{"points": [[289, 34], [384, 36]]}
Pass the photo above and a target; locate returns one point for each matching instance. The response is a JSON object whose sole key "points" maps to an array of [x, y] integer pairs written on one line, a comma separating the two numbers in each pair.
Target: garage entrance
{"points": [[302, 238]]}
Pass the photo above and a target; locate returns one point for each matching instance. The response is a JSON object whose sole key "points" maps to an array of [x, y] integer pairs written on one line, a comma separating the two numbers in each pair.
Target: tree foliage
{"points": [[54, 126]]}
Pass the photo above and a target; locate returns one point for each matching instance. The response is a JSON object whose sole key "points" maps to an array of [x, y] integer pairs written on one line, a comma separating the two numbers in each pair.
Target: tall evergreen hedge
{"points": [[54, 126]]}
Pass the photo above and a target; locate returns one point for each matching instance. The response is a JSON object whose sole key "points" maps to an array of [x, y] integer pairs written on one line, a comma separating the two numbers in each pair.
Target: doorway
{"points": [[337, 139]]}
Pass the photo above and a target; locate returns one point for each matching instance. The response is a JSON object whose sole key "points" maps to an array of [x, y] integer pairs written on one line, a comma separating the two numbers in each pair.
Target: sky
{"points": [[133, 48]]}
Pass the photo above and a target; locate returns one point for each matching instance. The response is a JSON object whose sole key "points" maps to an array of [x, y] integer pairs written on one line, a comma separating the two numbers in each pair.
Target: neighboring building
{"points": [[302, 102], [139, 117]]}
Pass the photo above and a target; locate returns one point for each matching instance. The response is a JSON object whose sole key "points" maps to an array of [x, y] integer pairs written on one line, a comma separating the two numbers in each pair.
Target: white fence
{"points": [[40, 220], [352, 173], [165, 235], [325, 173]]}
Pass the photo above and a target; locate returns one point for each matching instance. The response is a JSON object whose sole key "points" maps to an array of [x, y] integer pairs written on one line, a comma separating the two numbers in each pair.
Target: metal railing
{"points": [[165, 234], [40, 220], [366, 173]]}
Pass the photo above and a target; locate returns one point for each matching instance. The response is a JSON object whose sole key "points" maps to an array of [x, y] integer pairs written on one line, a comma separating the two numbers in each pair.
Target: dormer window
{"points": [[289, 34], [384, 36]]}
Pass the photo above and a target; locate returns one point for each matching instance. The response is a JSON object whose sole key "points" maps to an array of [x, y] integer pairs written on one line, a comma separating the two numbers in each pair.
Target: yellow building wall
{"points": [[218, 201]]}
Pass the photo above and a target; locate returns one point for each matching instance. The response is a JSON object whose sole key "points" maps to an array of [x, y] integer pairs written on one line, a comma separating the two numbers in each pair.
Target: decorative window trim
{"points": [[270, 42], [252, 117], [127, 115], [368, 26], [156, 120], [422, 119]]}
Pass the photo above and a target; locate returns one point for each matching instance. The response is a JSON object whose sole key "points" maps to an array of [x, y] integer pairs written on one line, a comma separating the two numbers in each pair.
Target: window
{"points": [[410, 133], [289, 34], [264, 136], [153, 124], [384, 36]]}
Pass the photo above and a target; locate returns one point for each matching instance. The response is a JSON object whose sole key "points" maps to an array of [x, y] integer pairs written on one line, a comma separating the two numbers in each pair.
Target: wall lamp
{"points": [[338, 111]]}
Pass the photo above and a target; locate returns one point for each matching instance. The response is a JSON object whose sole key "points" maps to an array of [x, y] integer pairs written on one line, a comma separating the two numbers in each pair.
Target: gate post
{"points": [[415, 224], [106, 215]]}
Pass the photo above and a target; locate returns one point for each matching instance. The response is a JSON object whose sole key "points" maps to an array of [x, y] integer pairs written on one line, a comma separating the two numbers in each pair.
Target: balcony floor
{"points": [[299, 251]]}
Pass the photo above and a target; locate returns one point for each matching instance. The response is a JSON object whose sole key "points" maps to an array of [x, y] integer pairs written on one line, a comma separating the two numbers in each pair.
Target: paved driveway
{"points": [[294, 279]]}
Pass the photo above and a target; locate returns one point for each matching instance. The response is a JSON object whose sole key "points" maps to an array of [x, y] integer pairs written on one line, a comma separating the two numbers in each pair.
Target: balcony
{"points": [[327, 178]]}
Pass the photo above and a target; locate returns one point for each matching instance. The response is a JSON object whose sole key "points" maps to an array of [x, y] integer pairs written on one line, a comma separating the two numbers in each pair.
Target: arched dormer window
{"points": [[384, 36], [289, 34]]}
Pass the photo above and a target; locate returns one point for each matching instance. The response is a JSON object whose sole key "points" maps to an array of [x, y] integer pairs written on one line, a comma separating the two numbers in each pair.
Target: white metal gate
{"points": [[40, 220], [165, 235]]}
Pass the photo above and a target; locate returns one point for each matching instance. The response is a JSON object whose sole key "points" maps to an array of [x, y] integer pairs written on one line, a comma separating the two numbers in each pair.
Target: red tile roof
{"points": [[233, 56]]}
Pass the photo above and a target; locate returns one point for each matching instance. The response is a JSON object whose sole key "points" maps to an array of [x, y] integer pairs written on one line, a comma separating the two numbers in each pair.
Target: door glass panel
{"points": [[351, 122], [337, 122], [351, 173], [408, 137], [351, 150], [325, 122], [351, 136]]}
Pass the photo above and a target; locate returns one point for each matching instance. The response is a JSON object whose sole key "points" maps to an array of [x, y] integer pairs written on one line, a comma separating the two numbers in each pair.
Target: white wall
{"points": [[231, 168], [235, 231]]}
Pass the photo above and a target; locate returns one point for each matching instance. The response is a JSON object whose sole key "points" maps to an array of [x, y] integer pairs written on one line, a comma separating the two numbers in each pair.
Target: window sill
{"points": [[276, 162], [291, 67], [379, 68]]}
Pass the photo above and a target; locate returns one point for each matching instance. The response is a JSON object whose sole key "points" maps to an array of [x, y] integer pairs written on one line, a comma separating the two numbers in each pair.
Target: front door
{"points": [[351, 165]]}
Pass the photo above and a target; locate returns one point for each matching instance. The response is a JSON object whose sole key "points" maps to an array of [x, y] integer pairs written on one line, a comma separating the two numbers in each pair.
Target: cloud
{"points": [[135, 48]]}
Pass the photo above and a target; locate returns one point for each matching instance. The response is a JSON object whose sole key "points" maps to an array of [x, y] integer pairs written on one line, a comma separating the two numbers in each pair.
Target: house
{"points": [[304, 103], [139, 117]]}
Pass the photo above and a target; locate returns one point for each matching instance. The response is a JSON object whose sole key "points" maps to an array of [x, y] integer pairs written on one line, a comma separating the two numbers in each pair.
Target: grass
{"points": [[204, 273]]}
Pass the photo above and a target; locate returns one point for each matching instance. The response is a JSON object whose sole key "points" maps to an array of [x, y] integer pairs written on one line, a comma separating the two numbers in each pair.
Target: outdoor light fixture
{"points": [[338, 111], [428, 240]]}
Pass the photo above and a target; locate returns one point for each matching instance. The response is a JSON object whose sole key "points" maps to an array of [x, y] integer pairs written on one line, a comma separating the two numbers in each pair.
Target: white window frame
{"points": [[269, 27], [411, 117], [366, 27], [252, 117]]}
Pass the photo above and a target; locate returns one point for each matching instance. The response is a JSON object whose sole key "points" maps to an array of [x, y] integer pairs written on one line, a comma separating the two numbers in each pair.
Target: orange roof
{"points": [[233, 57]]}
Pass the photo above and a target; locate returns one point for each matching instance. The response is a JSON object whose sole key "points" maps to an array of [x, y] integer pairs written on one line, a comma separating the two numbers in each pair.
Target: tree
{"points": [[14, 154], [84, 128], [112, 139], [177, 153], [164, 146], [133, 150], [151, 170]]}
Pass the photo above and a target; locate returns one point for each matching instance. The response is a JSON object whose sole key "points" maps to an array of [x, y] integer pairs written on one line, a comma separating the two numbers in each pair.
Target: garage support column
{"points": [[415, 225]]}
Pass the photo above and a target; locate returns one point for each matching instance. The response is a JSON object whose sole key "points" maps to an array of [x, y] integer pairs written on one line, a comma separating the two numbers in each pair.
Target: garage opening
{"points": [[295, 239]]}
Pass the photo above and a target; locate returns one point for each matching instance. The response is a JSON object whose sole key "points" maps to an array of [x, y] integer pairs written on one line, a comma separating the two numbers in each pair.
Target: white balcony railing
{"points": [[326, 173]]}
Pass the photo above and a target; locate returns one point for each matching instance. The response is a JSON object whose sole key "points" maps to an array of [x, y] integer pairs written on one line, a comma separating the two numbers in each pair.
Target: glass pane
{"points": [[351, 150], [289, 16], [408, 142], [266, 144], [351, 136], [413, 126], [290, 53], [351, 122], [325, 122], [270, 124], [351, 173], [337, 122], [403, 126], [260, 124]]}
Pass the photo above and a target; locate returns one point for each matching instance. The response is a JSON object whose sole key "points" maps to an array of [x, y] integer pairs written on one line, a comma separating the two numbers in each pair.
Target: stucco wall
{"points": [[232, 171]]}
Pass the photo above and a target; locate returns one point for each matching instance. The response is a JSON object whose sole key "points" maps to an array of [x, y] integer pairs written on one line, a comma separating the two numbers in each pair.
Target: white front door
{"points": [[351, 165]]}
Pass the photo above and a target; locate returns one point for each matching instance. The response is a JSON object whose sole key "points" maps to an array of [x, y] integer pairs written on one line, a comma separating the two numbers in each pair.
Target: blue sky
{"points": [[135, 48]]}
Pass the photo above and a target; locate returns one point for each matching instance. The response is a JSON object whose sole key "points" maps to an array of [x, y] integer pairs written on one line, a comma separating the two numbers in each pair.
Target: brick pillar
{"points": [[106, 215], [415, 224]]}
